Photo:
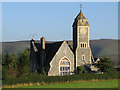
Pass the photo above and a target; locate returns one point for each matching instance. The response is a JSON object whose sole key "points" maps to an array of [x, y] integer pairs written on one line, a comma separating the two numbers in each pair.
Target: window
{"points": [[83, 45], [83, 59], [64, 67], [64, 62]]}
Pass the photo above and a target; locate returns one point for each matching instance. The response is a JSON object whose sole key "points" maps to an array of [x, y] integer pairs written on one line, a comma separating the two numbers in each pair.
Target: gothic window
{"points": [[64, 67]]}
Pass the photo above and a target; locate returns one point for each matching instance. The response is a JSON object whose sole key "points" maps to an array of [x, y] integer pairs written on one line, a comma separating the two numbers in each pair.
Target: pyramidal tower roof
{"points": [[80, 16], [81, 20]]}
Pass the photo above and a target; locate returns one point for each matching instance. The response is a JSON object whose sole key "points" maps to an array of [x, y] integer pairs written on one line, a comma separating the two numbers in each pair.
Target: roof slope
{"points": [[51, 49], [81, 20], [80, 16]]}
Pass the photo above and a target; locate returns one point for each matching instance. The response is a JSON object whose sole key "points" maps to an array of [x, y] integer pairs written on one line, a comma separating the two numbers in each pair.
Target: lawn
{"points": [[87, 84]]}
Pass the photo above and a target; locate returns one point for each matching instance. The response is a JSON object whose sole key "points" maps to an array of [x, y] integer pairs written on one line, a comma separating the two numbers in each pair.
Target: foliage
{"points": [[9, 63], [6, 60], [15, 66], [44, 72], [35, 77], [16, 70], [79, 69], [105, 65], [23, 63], [5, 73]]}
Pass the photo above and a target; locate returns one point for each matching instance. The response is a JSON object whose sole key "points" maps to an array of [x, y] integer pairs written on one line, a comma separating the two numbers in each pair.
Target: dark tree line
{"points": [[13, 66]]}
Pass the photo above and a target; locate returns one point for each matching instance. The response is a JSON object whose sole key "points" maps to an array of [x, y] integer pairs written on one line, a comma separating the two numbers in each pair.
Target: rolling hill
{"points": [[100, 48]]}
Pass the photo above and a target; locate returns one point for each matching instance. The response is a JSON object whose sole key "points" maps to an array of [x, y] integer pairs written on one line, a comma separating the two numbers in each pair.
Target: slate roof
{"points": [[51, 49], [80, 16]]}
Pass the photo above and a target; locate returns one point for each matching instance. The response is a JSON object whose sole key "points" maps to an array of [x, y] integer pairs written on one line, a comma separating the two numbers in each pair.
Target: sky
{"points": [[53, 20]]}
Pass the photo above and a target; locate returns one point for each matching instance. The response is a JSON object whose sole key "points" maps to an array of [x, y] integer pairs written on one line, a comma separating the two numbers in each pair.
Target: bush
{"points": [[24, 63], [79, 69], [4, 73], [105, 65], [35, 77]]}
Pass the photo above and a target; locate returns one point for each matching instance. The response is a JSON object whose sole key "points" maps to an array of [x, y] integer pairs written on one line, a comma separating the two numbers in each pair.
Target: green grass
{"points": [[89, 84]]}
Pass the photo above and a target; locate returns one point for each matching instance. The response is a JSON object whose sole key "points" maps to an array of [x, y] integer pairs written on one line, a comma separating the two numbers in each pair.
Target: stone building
{"points": [[62, 58]]}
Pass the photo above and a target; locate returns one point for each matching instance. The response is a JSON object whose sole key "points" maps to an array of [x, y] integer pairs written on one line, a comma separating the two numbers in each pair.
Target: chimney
{"points": [[43, 43]]}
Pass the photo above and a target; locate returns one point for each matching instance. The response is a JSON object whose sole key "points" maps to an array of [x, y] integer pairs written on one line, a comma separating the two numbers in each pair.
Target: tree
{"points": [[6, 60], [5, 74], [24, 63], [105, 65], [9, 63], [79, 69]]}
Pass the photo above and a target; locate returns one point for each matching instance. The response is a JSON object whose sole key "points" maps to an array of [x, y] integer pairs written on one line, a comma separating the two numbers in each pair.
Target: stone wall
{"points": [[79, 53], [63, 51]]}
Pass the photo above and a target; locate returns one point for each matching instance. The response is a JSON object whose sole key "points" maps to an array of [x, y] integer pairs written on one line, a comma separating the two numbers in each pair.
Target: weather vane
{"points": [[80, 7]]}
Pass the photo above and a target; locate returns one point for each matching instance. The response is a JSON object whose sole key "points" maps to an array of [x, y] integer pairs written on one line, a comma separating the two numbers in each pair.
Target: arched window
{"points": [[85, 45], [83, 59], [81, 45], [64, 67]]}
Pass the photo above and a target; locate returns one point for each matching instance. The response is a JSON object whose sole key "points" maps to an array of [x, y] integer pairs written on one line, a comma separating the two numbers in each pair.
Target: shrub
{"points": [[105, 65], [79, 69], [35, 77]]}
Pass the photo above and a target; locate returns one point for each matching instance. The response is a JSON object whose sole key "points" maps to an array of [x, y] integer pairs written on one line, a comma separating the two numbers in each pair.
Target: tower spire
{"points": [[80, 7]]}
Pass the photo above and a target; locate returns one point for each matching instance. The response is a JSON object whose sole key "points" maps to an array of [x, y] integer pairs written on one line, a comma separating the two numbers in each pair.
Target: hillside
{"points": [[100, 48], [105, 47]]}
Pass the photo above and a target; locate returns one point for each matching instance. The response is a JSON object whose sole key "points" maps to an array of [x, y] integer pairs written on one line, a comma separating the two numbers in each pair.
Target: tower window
{"points": [[81, 44], [85, 45], [83, 57]]}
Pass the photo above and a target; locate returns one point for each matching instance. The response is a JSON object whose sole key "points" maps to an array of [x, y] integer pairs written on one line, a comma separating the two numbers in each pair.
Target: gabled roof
{"points": [[51, 49]]}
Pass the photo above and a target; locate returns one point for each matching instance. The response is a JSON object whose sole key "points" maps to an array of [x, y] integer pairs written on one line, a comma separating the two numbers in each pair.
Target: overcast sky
{"points": [[54, 20]]}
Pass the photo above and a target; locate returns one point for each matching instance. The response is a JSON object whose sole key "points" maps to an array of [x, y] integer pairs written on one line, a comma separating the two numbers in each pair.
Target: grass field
{"points": [[88, 84]]}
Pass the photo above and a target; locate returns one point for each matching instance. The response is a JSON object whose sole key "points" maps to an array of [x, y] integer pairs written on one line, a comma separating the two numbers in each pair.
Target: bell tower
{"points": [[81, 40]]}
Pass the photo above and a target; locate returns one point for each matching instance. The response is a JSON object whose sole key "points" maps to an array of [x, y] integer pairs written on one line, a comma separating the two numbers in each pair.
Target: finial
{"points": [[80, 7]]}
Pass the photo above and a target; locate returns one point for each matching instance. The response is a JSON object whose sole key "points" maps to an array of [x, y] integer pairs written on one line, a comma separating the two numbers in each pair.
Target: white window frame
{"points": [[64, 72]]}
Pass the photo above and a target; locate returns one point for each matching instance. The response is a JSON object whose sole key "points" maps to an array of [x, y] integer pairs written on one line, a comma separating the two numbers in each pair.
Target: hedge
{"points": [[53, 79]]}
